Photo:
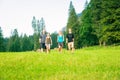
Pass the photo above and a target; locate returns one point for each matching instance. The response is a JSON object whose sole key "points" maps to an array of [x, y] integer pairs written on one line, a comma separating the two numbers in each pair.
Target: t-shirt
{"points": [[48, 40], [43, 37], [60, 38], [70, 37]]}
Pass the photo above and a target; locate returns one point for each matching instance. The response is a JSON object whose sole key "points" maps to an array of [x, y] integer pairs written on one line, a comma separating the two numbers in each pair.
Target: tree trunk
{"points": [[100, 43], [104, 43]]}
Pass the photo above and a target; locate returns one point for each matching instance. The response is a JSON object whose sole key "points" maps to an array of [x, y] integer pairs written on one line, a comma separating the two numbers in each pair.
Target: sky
{"points": [[18, 14]]}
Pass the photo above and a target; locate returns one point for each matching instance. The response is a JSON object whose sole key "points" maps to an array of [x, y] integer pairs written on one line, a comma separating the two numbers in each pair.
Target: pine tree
{"points": [[31, 39], [96, 10], [14, 42], [87, 38], [38, 27], [34, 26], [2, 46], [26, 43], [73, 23], [100, 23], [72, 16], [105, 20], [111, 21], [42, 24]]}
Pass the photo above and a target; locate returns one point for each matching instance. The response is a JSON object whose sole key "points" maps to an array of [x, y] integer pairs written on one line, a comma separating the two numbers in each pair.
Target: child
{"points": [[60, 39], [48, 42]]}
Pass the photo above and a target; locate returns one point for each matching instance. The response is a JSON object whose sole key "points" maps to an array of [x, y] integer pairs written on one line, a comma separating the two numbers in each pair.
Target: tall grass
{"points": [[93, 63]]}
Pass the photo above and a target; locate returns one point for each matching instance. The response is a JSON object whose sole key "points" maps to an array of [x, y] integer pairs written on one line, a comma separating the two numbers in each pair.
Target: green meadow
{"points": [[92, 63]]}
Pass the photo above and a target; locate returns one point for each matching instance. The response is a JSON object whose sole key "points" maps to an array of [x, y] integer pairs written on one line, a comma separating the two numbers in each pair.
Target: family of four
{"points": [[46, 41]]}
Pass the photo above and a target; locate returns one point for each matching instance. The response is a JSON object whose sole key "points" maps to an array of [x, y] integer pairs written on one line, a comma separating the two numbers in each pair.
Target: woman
{"points": [[48, 42], [60, 40]]}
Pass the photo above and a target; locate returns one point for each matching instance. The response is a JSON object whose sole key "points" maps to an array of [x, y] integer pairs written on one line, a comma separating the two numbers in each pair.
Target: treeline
{"points": [[16, 43], [102, 19], [98, 24]]}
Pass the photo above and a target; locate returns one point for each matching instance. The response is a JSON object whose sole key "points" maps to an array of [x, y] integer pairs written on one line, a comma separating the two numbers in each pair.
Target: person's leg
{"points": [[69, 46], [44, 47], [72, 45], [58, 46], [48, 47], [41, 47]]}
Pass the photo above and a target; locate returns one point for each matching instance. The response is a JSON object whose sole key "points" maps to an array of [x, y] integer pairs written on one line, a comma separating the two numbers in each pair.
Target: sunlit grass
{"points": [[93, 63]]}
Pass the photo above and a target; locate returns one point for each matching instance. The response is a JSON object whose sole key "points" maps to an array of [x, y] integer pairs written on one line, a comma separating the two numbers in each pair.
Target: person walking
{"points": [[42, 41], [60, 40], [48, 42]]}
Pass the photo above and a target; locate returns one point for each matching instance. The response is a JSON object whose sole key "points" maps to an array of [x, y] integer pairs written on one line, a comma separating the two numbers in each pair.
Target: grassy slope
{"points": [[93, 63]]}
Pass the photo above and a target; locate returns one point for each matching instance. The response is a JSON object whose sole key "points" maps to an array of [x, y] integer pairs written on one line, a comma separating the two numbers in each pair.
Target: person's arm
{"points": [[63, 38], [45, 40], [66, 39], [73, 39]]}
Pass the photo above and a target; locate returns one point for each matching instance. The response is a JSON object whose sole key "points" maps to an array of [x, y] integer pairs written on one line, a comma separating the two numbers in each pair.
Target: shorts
{"points": [[70, 45], [47, 45], [42, 45], [60, 44]]}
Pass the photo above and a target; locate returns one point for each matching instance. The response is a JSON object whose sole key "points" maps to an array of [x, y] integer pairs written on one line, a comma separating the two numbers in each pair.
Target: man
{"points": [[42, 40], [70, 40]]}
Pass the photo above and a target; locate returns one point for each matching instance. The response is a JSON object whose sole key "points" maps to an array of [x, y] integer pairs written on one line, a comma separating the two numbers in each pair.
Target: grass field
{"points": [[93, 63]]}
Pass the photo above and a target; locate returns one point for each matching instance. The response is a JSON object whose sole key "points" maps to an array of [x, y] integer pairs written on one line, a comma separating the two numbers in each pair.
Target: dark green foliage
{"points": [[110, 20], [76, 32], [26, 43], [100, 23], [6, 40], [17, 44], [54, 40], [14, 42], [87, 36], [31, 42], [2, 45], [64, 43], [36, 41]]}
